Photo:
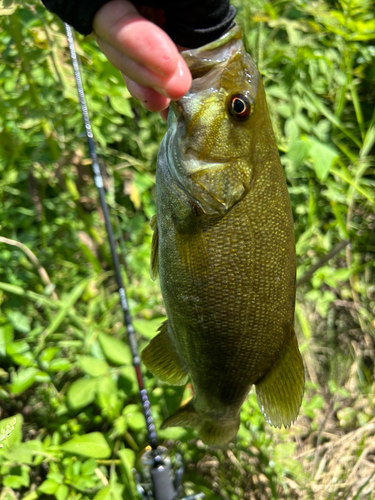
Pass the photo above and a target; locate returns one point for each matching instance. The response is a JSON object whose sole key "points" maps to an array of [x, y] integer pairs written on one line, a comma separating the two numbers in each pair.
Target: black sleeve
{"points": [[77, 13], [190, 23]]}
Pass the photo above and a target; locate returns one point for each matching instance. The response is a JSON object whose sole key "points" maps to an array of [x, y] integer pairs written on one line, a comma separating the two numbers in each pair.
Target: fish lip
{"points": [[210, 59], [192, 56]]}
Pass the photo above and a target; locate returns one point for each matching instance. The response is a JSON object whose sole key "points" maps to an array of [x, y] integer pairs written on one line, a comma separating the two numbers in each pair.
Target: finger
{"points": [[174, 87], [179, 83], [118, 23], [132, 69], [150, 99]]}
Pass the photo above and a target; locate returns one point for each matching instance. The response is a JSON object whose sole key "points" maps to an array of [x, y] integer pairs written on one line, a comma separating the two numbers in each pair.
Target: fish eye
{"points": [[239, 107]]}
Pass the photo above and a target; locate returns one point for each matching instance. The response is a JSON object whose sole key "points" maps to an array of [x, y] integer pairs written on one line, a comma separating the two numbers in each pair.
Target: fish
{"points": [[223, 247]]}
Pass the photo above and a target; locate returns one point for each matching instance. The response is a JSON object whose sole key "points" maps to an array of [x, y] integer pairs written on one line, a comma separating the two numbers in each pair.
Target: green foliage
{"points": [[71, 426]]}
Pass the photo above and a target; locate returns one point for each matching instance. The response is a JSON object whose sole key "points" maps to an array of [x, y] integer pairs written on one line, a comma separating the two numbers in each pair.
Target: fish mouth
{"points": [[205, 58], [207, 63]]}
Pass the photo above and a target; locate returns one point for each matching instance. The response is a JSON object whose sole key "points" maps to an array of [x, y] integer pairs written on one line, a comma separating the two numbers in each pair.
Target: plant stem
{"points": [[34, 260], [335, 250]]}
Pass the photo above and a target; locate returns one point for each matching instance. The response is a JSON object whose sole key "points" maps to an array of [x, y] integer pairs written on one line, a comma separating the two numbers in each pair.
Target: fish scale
{"points": [[224, 250]]}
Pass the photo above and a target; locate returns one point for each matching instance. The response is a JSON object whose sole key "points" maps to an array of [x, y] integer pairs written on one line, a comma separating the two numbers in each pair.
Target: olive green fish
{"points": [[224, 250]]}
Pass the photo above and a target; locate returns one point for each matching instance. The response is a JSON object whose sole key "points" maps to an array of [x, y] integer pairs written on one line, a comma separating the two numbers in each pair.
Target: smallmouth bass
{"points": [[223, 247]]}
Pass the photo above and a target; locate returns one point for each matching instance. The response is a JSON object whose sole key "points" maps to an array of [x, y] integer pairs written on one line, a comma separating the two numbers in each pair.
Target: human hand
{"points": [[153, 69]]}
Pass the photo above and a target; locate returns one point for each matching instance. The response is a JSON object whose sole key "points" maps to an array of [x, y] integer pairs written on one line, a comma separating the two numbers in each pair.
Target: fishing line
{"points": [[163, 487]]}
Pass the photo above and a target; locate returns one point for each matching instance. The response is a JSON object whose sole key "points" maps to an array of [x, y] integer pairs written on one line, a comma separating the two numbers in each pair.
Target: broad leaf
{"points": [[93, 366], [81, 393], [114, 350], [90, 445]]}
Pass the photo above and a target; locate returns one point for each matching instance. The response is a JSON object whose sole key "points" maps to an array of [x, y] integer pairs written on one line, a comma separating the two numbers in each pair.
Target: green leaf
{"points": [[314, 100], [90, 256], [292, 129], [17, 290], [298, 152], [127, 458], [19, 352], [114, 350], [112, 492], [6, 336], [148, 327], [107, 397], [92, 445], [81, 393], [59, 365], [369, 138], [23, 379], [88, 467], [20, 453], [62, 492], [18, 476], [315, 403], [29, 496], [322, 156], [56, 476], [19, 321], [93, 366], [104, 494], [11, 431], [30, 123], [324, 303], [120, 425], [134, 417], [128, 380], [48, 354], [48, 487], [121, 105], [342, 274], [67, 305]]}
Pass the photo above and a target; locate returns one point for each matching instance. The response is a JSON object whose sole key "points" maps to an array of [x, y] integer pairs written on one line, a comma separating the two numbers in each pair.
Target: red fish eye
{"points": [[239, 107]]}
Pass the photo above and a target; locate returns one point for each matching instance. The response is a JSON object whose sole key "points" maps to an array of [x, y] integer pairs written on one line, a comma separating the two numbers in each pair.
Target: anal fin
{"points": [[280, 391], [154, 248], [162, 360], [214, 432]]}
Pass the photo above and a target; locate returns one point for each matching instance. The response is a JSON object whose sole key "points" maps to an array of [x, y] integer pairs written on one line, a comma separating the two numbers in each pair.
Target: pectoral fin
{"points": [[162, 360], [280, 391], [154, 248], [214, 432]]}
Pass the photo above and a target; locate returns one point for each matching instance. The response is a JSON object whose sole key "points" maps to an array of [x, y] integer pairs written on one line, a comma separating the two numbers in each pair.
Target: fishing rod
{"points": [[159, 483]]}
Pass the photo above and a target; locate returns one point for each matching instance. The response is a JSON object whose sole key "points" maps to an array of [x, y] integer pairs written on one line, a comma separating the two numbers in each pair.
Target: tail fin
{"points": [[213, 432]]}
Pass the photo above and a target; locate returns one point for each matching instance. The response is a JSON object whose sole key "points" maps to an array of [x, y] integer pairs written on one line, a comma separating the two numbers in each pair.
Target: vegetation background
{"points": [[70, 421]]}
